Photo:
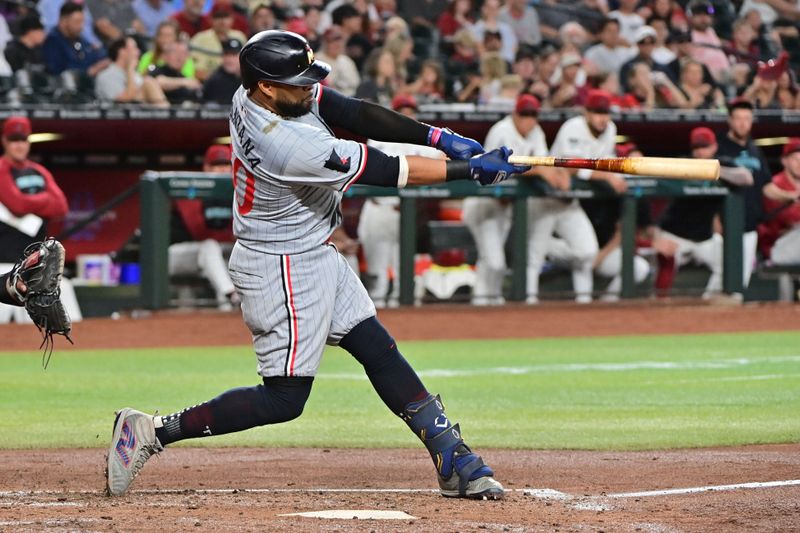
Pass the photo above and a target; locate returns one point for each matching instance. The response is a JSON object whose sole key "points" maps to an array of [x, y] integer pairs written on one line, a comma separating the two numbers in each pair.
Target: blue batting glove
{"points": [[493, 167], [453, 144]]}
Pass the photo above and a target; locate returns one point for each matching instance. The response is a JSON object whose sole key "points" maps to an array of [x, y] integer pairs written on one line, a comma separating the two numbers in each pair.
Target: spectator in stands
{"points": [[50, 12], [379, 222], [684, 50], [429, 86], [589, 135], [381, 81], [605, 81], [510, 88], [743, 46], [490, 22], [493, 68], [629, 21], [707, 43], [202, 233], [262, 18], [763, 92], [462, 65], [65, 49], [178, 87], [574, 38], [421, 16], [344, 75], [524, 20], [152, 13], [223, 82], [29, 199], [699, 95], [313, 23], [553, 14], [166, 34], [525, 66], [113, 19], [667, 10], [608, 55], [351, 23], [645, 40], [772, 12], [25, 51], [239, 10], [737, 147], [788, 93], [565, 94], [779, 234], [456, 17], [119, 82], [206, 45], [768, 42], [191, 18], [402, 48], [489, 219], [395, 26], [549, 61], [661, 52], [687, 226], [650, 90]]}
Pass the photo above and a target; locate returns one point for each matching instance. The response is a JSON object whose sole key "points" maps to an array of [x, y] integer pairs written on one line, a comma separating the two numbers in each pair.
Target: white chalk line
{"points": [[709, 488], [712, 364], [542, 493]]}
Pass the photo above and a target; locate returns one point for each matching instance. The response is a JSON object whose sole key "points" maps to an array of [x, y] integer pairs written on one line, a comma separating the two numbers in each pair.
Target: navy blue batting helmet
{"points": [[282, 57]]}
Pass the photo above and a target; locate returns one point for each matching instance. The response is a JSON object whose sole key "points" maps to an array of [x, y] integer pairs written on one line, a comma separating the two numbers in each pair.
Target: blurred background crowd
{"points": [[647, 53]]}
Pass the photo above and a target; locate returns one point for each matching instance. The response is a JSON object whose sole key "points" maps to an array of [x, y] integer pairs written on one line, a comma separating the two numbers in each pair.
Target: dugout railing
{"points": [[158, 188]]}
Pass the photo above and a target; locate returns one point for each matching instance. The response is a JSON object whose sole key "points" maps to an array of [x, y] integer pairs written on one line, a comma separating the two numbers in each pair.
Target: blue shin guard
{"points": [[462, 473]]}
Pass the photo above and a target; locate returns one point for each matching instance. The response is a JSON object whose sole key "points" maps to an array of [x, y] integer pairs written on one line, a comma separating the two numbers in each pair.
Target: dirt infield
{"points": [[249, 489], [180, 328]]}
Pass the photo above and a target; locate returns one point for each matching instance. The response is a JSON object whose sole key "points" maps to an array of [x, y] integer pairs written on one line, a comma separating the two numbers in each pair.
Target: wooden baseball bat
{"points": [[660, 167]]}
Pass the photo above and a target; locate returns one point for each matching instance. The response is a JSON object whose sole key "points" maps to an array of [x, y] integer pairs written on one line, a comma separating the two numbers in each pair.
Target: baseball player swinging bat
{"points": [[661, 167]]}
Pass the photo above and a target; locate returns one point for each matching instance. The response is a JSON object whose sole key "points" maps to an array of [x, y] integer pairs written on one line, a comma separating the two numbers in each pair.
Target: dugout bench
{"points": [[158, 188]]}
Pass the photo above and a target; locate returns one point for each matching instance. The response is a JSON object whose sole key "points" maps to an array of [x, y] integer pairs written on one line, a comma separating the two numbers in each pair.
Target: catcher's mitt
{"points": [[40, 271]]}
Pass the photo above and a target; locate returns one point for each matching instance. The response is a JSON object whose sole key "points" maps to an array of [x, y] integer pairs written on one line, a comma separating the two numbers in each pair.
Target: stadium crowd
{"points": [[519, 56], [646, 53]]}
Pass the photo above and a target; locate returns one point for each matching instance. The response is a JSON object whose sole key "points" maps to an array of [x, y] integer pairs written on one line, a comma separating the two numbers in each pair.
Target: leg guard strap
{"points": [[470, 464], [427, 420]]}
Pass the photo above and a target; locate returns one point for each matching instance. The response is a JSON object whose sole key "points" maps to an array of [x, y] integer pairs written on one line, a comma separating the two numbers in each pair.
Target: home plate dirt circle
{"points": [[358, 514]]}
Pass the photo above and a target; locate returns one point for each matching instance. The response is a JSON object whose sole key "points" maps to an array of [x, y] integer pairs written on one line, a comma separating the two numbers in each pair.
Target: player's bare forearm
{"points": [[425, 171]]}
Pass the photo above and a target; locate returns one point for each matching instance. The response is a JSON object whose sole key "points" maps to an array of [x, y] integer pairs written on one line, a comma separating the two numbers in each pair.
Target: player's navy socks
{"points": [[392, 377], [279, 399]]}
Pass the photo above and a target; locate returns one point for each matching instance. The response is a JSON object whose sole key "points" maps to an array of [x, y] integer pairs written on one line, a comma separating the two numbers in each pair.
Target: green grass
{"points": [[588, 393]]}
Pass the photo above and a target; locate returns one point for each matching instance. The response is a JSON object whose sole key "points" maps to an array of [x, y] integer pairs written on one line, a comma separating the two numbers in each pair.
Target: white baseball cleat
{"points": [[132, 444]]}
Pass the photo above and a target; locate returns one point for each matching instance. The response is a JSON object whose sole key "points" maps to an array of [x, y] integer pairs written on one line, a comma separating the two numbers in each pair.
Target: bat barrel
{"points": [[661, 167], [672, 167]]}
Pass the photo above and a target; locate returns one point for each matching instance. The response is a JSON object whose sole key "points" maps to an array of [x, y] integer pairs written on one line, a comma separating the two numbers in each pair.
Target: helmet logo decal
{"points": [[310, 54]]}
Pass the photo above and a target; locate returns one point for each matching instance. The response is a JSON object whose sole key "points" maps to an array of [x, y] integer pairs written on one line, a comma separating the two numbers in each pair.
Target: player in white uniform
{"points": [[379, 223], [589, 135], [298, 293], [489, 219]]}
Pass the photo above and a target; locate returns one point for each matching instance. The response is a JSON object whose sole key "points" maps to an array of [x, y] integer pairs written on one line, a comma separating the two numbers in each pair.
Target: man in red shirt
{"points": [[779, 234], [29, 195], [29, 198], [191, 18], [202, 235]]}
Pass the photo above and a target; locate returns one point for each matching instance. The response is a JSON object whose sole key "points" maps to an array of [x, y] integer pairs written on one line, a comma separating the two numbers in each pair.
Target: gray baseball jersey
{"points": [[289, 176], [298, 293]]}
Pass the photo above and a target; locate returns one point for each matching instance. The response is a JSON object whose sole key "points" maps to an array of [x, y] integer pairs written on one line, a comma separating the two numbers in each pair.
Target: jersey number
{"points": [[243, 205]]}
